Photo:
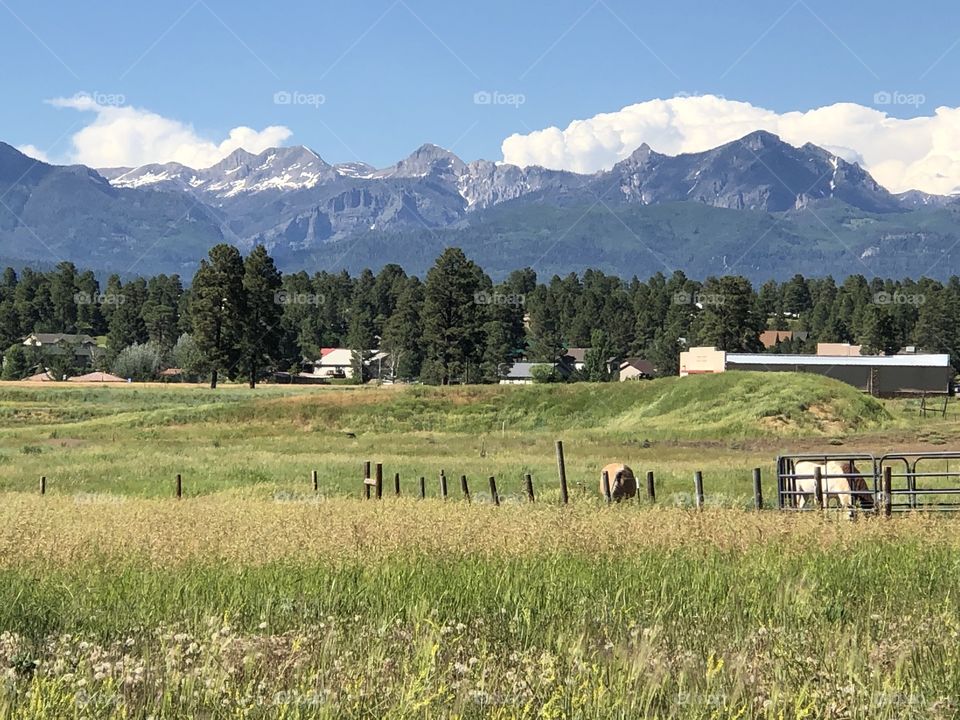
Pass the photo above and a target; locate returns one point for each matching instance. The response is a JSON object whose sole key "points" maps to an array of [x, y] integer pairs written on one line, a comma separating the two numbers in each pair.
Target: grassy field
{"points": [[255, 597], [131, 440]]}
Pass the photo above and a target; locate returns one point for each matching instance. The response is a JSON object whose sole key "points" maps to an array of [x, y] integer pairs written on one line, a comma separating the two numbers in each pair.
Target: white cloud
{"points": [[920, 153], [125, 136], [34, 152]]}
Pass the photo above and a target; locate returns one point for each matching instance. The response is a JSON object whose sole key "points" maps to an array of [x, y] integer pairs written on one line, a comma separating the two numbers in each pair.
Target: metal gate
{"points": [[788, 496], [922, 481]]}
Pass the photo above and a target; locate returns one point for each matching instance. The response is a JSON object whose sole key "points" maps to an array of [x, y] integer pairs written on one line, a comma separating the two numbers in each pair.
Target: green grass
{"points": [[133, 440], [775, 624], [256, 597]]}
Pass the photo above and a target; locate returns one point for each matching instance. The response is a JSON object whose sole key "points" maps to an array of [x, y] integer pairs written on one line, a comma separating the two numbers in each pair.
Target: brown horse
{"points": [[623, 483]]}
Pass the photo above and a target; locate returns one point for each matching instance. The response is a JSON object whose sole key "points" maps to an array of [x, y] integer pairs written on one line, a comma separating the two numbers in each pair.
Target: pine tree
{"points": [[453, 318], [729, 319], [90, 317], [9, 324], [362, 329], [261, 333], [932, 331], [595, 362], [113, 294], [877, 334], [402, 334], [217, 310], [545, 339], [160, 310], [796, 295], [126, 323]]}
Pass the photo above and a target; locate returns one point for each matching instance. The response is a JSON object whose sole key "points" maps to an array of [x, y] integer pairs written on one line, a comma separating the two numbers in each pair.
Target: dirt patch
{"points": [[826, 419], [776, 423]]}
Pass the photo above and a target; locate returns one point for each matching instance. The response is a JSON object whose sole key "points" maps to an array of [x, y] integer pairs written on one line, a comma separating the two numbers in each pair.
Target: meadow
{"points": [[253, 596]]}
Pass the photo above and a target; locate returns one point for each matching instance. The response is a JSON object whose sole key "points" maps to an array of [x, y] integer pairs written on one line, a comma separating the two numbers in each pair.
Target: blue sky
{"points": [[395, 74]]}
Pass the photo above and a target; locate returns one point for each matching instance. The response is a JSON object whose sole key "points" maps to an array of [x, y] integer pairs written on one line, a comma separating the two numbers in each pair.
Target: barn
{"points": [[881, 375]]}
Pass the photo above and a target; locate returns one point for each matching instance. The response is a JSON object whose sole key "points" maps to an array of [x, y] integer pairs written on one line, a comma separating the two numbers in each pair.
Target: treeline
{"points": [[240, 317]]}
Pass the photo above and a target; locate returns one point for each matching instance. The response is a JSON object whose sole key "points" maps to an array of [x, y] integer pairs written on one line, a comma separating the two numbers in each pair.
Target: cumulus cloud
{"points": [[34, 152], [920, 153], [125, 136]]}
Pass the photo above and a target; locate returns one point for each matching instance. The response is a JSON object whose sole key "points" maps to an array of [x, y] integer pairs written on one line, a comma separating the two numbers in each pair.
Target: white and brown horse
{"points": [[623, 483], [840, 480]]}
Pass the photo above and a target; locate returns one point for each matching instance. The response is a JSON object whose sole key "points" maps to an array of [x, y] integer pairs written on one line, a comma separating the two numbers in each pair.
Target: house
{"points": [[769, 338], [521, 373], [83, 347], [882, 375], [636, 369], [576, 358], [333, 363], [379, 366]]}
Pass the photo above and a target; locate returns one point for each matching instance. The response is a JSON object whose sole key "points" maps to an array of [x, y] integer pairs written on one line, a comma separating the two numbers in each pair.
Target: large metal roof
{"points": [[906, 360]]}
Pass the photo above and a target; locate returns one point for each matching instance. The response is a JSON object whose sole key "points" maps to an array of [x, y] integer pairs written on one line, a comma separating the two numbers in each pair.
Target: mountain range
{"points": [[757, 206]]}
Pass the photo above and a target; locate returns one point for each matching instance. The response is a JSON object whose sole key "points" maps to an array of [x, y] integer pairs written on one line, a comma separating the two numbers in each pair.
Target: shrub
{"points": [[138, 362], [186, 355]]}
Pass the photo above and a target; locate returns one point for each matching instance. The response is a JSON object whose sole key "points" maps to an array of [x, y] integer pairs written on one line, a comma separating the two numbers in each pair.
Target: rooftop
{"points": [[911, 360]]}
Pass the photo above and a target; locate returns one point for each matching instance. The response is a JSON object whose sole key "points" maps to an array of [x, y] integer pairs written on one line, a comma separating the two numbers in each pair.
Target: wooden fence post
{"points": [[366, 480], [443, 485], [464, 487], [757, 490], [179, 487], [493, 491], [396, 484], [562, 470], [698, 489], [651, 489], [43, 485], [379, 481], [423, 487], [605, 484], [887, 491], [313, 477], [529, 483], [818, 487]]}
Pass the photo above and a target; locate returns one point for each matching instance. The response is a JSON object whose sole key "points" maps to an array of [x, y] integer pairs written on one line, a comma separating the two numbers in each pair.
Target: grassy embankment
{"points": [[132, 441]]}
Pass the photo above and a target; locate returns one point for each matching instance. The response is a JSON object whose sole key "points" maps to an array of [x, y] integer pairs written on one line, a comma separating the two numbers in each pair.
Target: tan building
{"points": [[884, 375], [838, 349], [700, 360]]}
